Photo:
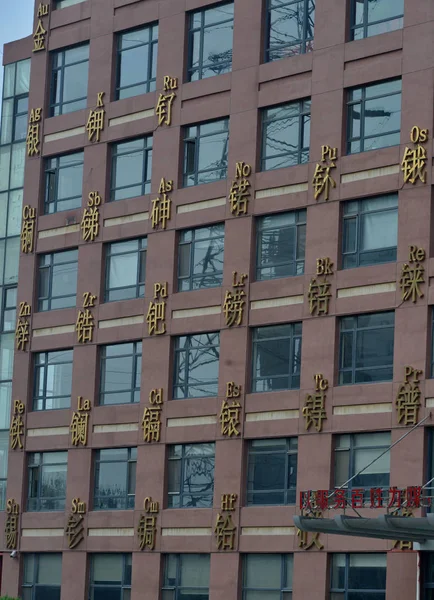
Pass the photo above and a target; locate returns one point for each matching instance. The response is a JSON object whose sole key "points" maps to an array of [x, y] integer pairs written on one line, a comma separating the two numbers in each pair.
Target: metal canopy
{"points": [[411, 529]]}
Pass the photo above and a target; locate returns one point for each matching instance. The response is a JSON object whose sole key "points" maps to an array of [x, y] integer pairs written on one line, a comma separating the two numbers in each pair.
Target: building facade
{"points": [[215, 295]]}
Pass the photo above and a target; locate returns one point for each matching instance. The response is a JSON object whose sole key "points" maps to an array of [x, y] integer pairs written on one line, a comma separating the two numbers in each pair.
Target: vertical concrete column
{"points": [[72, 585], [401, 577], [310, 573]]}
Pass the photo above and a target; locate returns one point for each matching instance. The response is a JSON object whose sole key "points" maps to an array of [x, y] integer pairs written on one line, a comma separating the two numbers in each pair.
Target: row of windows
{"points": [[360, 576], [374, 115], [289, 28], [369, 237]]}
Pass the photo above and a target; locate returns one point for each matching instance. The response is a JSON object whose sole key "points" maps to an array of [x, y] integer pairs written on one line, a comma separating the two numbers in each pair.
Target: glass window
{"points": [[272, 471], [280, 245], [276, 357], [191, 475], [137, 62], [427, 578], [69, 74], [372, 17], [9, 312], [358, 577], [66, 3], [370, 231], [200, 259], [366, 348], [63, 182], [374, 116], [290, 27], [52, 380], [14, 119], [267, 576], [57, 280], [206, 152], [131, 168], [115, 479], [210, 39], [121, 368], [196, 365], [42, 576], [285, 135], [110, 576], [47, 481], [354, 452], [186, 576], [125, 270]]}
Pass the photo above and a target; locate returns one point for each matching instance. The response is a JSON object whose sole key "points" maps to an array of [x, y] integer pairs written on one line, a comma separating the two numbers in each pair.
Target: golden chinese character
{"points": [[233, 307], [74, 530], [414, 164], [161, 211], [401, 544], [230, 418], [16, 432], [147, 532], [84, 326], [314, 410], [164, 108], [225, 532], [322, 180], [156, 396], [408, 402], [90, 223], [43, 10], [39, 37], [304, 536], [319, 297], [78, 428], [156, 313], [151, 424], [33, 139], [11, 531], [410, 281], [95, 124], [239, 195], [22, 334], [28, 229]]}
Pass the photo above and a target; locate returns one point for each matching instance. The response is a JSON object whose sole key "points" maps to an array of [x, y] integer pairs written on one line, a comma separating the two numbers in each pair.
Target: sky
{"points": [[15, 23]]}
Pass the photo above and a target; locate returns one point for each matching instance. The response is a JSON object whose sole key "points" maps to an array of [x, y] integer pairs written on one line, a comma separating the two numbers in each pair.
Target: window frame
{"points": [[196, 140], [146, 152], [34, 585], [126, 556], [135, 356], [293, 337], [142, 248], [191, 30], [366, 24], [127, 499], [51, 175], [59, 71], [303, 116], [32, 467], [9, 308], [285, 592], [346, 591], [178, 351], [297, 226], [183, 460], [362, 139], [305, 43], [50, 268], [178, 587], [192, 277], [149, 82], [37, 366]]}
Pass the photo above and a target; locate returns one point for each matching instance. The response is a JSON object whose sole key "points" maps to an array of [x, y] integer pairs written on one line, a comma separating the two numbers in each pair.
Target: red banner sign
{"points": [[392, 497]]}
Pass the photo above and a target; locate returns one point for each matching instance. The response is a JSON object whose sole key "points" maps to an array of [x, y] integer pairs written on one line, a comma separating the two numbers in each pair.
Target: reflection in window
{"points": [[267, 576], [200, 263], [125, 270], [52, 380], [272, 471], [66, 3], [69, 80], [63, 182], [121, 368], [131, 168], [374, 116], [361, 576], [210, 41], [281, 241], [285, 135], [353, 453], [186, 576], [366, 348], [137, 62], [290, 28], [196, 365], [57, 285], [115, 479], [372, 17], [206, 152], [276, 357], [42, 576], [110, 576], [47, 481], [191, 475]]}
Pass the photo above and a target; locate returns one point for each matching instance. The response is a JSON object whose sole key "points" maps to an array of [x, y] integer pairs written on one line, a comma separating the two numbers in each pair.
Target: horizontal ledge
{"points": [[202, 205], [365, 290], [370, 174], [188, 421], [111, 532], [137, 217], [196, 312], [143, 114], [116, 428], [280, 191], [47, 233], [42, 533], [185, 531], [123, 321], [61, 135], [276, 302], [45, 431], [275, 415], [363, 409], [53, 330], [268, 531]]}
